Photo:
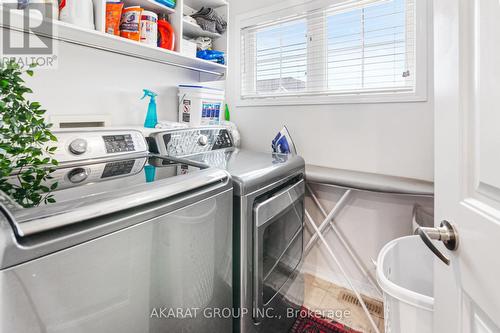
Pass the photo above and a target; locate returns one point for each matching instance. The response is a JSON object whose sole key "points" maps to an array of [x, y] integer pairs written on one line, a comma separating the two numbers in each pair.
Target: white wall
{"points": [[387, 138], [393, 139], [94, 82]]}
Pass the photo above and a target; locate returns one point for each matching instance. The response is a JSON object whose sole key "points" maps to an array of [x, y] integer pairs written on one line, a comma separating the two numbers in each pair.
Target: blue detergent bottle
{"points": [[151, 116]]}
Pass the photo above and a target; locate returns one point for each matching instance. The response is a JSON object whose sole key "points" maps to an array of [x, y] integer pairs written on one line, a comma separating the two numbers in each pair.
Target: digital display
{"points": [[118, 143], [118, 168]]}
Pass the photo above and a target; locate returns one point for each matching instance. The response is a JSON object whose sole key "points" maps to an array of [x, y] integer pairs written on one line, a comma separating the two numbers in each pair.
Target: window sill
{"points": [[332, 99]]}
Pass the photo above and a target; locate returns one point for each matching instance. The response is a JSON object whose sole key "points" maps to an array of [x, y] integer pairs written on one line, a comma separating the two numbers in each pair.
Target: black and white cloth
{"points": [[208, 19]]}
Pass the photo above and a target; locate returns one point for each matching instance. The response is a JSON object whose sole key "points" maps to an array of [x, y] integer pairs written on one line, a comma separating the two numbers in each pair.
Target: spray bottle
{"points": [[151, 116]]}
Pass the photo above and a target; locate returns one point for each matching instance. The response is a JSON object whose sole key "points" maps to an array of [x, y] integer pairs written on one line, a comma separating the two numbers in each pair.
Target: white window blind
{"points": [[356, 48]]}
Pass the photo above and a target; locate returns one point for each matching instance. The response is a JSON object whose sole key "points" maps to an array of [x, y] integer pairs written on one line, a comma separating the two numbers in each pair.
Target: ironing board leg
{"points": [[344, 273], [328, 220], [333, 213]]}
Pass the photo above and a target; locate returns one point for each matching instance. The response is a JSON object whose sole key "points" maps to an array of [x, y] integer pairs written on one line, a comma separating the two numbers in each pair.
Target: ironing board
{"points": [[350, 181], [366, 181]]}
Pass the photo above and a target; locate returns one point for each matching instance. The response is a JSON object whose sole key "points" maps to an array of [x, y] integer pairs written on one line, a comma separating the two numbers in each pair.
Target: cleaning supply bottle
{"points": [[151, 116], [166, 33]]}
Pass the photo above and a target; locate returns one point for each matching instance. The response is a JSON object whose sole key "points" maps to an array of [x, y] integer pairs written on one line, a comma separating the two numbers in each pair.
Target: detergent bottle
{"points": [[166, 33], [151, 116]]}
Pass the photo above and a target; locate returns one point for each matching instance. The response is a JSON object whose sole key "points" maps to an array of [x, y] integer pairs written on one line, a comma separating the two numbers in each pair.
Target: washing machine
{"points": [[133, 243], [268, 223]]}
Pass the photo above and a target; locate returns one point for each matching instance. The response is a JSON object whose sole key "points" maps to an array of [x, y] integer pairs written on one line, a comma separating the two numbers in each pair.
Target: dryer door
{"points": [[278, 243]]}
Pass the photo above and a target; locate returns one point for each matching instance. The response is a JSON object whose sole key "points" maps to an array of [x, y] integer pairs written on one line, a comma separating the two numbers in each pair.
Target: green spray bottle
{"points": [[151, 116]]}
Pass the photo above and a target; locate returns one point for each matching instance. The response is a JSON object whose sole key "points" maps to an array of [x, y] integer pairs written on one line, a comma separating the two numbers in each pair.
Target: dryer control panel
{"points": [[189, 141]]}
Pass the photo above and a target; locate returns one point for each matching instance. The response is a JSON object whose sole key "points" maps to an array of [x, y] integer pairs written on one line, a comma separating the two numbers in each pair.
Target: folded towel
{"points": [[206, 15], [206, 25]]}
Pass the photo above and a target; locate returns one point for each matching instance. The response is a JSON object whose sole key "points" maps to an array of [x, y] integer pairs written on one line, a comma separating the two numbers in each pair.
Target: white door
{"points": [[467, 156]]}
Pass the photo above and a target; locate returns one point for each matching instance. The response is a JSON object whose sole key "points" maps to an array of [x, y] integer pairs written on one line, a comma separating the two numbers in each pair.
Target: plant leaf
{"points": [[24, 134]]}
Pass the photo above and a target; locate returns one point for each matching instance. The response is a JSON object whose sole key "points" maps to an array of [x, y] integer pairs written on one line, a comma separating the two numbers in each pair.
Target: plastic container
{"points": [[405, 274], [113, 17], [130, 25], [77, 12], [166, 33], [149, 28], [200, 106]]}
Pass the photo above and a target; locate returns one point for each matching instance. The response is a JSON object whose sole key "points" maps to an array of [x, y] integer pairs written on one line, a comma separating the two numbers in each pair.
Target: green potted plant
{"points": [[26, 142]]}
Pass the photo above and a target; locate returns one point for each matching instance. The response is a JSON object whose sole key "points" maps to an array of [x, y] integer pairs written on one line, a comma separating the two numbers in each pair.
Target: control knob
{"points": [[202, 140], [78, 146], [77, 175]]}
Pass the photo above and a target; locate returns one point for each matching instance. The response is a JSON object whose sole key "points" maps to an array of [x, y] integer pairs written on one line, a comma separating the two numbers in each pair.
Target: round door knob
{"points": [[203, 140], [78, 146], [77, 175]]}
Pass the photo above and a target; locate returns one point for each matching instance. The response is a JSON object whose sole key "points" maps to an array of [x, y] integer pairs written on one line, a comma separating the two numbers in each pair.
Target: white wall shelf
{"points": [[194, 30], [99, 40], [150, 5], [129, 47], [183, 29], [190, 30]]}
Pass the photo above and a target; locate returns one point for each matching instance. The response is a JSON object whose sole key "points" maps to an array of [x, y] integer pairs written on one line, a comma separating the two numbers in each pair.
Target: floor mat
{"points": [[308, 322], [322, 296]]}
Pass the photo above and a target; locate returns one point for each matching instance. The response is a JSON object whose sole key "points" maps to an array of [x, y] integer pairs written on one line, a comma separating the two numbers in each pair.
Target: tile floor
{"points": [[326, 297]]}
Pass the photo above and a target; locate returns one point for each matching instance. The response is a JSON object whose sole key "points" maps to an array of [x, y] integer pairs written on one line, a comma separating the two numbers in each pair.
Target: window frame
{"points": [[294, 7]]}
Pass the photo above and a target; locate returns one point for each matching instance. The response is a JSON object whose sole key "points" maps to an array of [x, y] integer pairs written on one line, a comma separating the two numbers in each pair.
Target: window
{"points": [[279, 53], [362, 47]]}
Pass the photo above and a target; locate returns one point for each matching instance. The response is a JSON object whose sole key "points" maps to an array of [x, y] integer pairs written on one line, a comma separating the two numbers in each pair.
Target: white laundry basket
{"points": [[405, 274]]}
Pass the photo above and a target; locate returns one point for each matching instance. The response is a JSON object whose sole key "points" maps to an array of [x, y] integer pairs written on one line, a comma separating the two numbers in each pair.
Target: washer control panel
{"points": [[83, 144], [190, 141], [118, 143]]}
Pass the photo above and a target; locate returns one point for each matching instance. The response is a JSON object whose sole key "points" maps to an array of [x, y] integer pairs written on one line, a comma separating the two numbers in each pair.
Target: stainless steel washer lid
{"points": [[107, 187], [250, 170]]}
